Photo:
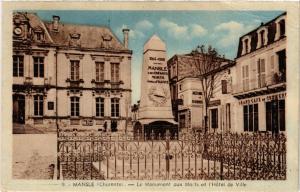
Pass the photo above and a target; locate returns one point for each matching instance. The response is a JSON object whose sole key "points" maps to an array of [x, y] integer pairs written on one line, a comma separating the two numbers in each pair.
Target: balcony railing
{"points": [[74, 82], [116, 85], [259, 83], [28, 81]]}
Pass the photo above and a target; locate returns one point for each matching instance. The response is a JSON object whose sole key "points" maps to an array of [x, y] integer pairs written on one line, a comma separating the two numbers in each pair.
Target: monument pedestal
{"points": [[155, 111]]}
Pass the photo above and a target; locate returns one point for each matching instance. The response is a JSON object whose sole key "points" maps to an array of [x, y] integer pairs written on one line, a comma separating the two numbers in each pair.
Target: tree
{"points": [[207, 64]]}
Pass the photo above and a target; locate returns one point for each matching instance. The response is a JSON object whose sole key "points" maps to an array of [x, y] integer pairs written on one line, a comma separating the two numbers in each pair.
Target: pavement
{"points": [[34, 156], [28, 129]]}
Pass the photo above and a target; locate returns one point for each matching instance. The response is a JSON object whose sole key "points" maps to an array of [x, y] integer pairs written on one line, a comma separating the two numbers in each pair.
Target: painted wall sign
{"points": [[265, 98], [214, 103]]}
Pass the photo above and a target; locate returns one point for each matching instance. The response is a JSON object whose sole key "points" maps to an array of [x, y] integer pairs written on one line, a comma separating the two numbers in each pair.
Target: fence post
{"points": [[58, 160], [167, 154], [221, 159]]}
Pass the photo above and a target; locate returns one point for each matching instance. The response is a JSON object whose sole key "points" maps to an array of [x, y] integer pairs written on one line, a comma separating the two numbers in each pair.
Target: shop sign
{"points": [[264, 98], [87, 122], [214, 103]]}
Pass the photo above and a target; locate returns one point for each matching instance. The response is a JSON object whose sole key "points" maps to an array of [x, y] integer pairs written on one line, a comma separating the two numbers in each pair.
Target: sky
{"points": [[182, 31]]}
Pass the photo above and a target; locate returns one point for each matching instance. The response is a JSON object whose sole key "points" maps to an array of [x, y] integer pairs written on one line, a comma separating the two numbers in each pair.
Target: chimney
{"points": [[125, 33], [55, 22]]}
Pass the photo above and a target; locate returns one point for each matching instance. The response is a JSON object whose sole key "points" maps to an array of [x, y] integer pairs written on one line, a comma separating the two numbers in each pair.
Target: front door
{"points": [[19, 109]]}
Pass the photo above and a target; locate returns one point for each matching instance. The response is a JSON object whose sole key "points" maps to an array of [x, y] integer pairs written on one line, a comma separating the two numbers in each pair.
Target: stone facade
{"points": [[73, 76]]}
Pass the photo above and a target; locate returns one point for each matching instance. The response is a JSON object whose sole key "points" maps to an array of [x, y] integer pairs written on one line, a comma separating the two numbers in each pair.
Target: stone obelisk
{"points": [[155, 111]]}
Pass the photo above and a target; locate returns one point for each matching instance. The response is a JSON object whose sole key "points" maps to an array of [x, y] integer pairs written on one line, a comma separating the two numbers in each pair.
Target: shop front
{"points": [[265, 113]]}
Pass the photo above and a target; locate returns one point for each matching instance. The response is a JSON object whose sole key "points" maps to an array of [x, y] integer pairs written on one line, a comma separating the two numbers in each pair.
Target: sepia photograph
{"points": [[102, 96]]}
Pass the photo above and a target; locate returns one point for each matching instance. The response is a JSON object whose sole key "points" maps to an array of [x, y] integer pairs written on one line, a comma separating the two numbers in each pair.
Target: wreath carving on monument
{"points": [[158, 95]]}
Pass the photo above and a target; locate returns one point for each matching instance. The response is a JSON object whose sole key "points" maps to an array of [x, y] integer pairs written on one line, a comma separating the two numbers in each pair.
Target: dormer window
{"points": [[246, 42], [38, 33], [246, 45], [74, 39], [262, 39], [39, 36], [106, 41], [280, 27]]}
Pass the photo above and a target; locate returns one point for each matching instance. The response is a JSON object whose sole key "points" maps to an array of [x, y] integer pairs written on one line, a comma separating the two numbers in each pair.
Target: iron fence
{"points": [[200, 156]]}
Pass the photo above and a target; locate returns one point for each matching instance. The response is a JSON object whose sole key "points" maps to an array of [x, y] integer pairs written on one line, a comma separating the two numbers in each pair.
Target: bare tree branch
{"points": [[207, 64]]}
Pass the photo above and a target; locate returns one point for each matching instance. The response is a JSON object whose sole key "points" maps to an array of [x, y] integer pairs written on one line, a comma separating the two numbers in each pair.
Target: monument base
{"points": [[155, 130]]}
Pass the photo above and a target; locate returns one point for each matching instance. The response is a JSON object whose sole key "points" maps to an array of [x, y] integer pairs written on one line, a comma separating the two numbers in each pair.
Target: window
{"points": [[38, 66], [214, 118], [39, 36], [245, 77], [261, 73], [246, 45], [115, 107], [251, 118], [228, 118], [74, 70], [75, 106], [282, 64], [282, 27], [100, 107], [50, 105], [99, 71], [224, 86], [262, 37], [18, 65], [38, 105], [115, 76], [275, 116]]}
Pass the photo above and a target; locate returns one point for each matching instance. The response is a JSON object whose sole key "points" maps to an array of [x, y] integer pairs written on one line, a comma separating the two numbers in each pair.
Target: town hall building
{"points": [[70, 75]]}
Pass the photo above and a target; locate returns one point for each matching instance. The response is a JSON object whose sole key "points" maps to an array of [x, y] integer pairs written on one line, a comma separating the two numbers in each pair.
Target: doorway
{"points": [[19, 109]]}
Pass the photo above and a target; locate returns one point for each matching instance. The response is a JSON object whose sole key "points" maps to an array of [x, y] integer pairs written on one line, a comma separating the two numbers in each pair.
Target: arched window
{"points": [[75, 106], [246, 42], [280, 27], [100, 107], [262, 34], [115, 107]]}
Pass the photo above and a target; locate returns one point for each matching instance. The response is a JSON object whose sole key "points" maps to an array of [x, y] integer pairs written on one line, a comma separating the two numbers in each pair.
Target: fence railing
{"points": [[199, 156]]}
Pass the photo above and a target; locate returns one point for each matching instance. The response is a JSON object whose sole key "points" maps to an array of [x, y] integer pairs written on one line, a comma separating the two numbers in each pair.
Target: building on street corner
{"points": [[187, 94], [261, 78]]}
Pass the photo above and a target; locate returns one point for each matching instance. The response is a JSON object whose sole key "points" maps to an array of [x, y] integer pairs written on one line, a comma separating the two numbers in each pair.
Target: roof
{"points": [[186, 65], [92, 37], [35, 23], [76, 35], [271, 27]]}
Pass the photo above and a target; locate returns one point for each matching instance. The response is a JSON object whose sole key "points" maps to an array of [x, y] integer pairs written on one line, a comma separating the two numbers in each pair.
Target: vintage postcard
{"points": [[140, 96]]}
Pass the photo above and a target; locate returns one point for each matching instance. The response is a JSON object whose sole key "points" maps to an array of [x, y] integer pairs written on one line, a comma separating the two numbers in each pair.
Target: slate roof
{"points": [[91, 37], [271, 26]]}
